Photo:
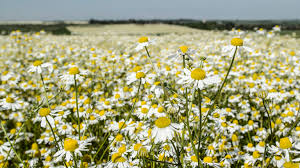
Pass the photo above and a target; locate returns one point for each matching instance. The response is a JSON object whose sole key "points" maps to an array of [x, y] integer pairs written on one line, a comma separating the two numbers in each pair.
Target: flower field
{"points": [[172, 99]]}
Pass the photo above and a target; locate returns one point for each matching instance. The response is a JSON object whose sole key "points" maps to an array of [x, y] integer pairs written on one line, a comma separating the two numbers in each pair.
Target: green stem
{"points": [[105, 139], [215, 98], [270, 124], [74, 159], [77, 109], [13, 142], [224, 81], [190, 132], [156, 71], [200, 122], [12, 145], [45, 91], [46, 96], [56, 143]]}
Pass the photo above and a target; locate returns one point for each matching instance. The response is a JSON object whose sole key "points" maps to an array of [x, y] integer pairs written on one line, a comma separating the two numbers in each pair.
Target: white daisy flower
{"points": [[69, 77], [143, 42], [236, 43], [183, 51], [44, 115], [118, 160], [71, 146], [38, 67], [11, 103], [197, 79], [164, 129]]}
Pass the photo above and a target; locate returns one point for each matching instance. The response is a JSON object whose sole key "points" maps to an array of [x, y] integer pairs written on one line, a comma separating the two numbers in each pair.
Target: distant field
{"points": [[131, 29]]}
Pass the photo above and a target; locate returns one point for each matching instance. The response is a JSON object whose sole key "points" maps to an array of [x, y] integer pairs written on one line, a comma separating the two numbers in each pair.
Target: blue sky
{"points": [[148, 9]]}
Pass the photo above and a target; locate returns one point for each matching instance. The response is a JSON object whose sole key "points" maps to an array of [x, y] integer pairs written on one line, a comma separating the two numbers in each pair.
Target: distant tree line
{"points": [[211, 24], [60, 27], [56, 29]]}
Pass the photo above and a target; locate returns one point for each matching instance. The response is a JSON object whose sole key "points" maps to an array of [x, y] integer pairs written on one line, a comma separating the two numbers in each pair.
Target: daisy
{"points": [[118, 160], [143, 42], [11, 103], [207, 160], [38, 67], [276, 28], [261, 31], [183, 52], [164, 129], [143, 112], [140, 76], [44, 115], [64, 128], [157, 89], [236, 43], [69, 77], [197, 79], [140, 148], [193, 160], [69, 147]]}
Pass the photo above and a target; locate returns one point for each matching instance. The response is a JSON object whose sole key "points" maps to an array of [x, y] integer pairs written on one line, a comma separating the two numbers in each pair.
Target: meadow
{"points": [[131, 96]]}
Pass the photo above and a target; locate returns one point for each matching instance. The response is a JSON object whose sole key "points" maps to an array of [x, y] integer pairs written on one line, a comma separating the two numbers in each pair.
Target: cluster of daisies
{"points": [[202, 99]]}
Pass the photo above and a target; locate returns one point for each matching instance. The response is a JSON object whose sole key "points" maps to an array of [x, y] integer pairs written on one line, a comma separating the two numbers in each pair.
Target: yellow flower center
{"points": [[234, 138], [119, 137], [137, 68], [256, 154], [140, 75], [198, 74], [183, 49], [102, 112], [290, 165], [37, 63], [137, 146], [237, 42], [250, 122], [92, 117], [278, 157], [74, 71], [157, 83], [107, 103], [143, 39], [48, 158], [122, 149], [10, 100], [70, 145], [292, 53], [261, 143], [144, 110], [64, 127], [117, 96], [162, 122], [116, 157], [44, 112], [210, 147], [122, 125], [160, 109], [13, 131], [194, 159], [34, 146], [285, 143], [207, 159]]}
